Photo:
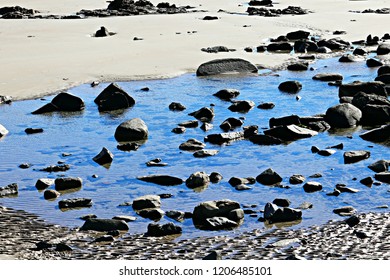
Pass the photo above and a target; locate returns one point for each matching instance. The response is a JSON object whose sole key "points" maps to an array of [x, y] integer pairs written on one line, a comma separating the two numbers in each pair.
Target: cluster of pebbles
{"points": [[28, 237]]}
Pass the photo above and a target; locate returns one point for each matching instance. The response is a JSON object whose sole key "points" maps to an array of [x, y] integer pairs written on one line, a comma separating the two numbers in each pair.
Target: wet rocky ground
{"points": [[25, 236]]}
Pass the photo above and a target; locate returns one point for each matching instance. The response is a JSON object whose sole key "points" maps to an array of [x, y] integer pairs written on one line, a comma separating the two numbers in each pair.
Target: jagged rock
{"points": [[104, 157], [215, 177], [204, 114], [379, 166], [163, 230], [205, 153], [227, 94], [242, 106], [42, 184], [102, 32], [75, 203], [67, 183], [290, 132], [269, 177], [222, 138], [104, 225], [50, 194], [260, 139], [343, 115], [381, 134], [131, 130], [175, 106], [368, 181], [198, 180], [9, 190], [290, 86], [112, 98], [223, 66], [371, 62], [192, 145], [352, 89], [383, 177], [163, 180], [355, 156], [345, 211], [310, 187], [297, 179], [328, 77], [146, 201]]}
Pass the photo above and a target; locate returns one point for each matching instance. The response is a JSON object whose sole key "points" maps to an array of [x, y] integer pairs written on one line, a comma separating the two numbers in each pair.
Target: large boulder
{"points": [[104, 225], [3, 131], [352, 89], [158, 230], [146, 201], [224, 66], [383, 49], [163, 180], [113, 97], [131, 130], [68, 102], [68, 183], [269, 177], [290, 86], [9, 190], [227, 209], [385, 69], [343, 115], [290, 132], [378, 135], [198, 180]]}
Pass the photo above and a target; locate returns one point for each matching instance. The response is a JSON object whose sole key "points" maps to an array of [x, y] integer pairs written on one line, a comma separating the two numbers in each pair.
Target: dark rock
{"points": [[359, 51], [298, 35], [9, 190], [42, 184], [222, 138], [216, 49], [293, 119], [334, 193], [269, 177], [75, 203], [323, 49], [33, 130], [383, 49], [189, 124], [176, 215], [198, 180], [285, 214], [131, 130], [147, 201], [68, 102], [227, 94], [113, 97], [281, 202], [290, 132], [383, 177], [242, 106], [215, 177], [128, 147], [210, 18], [48, 108], [125, 218], [384, 70], [204, 114], [163, 180], [259, 3], [214, 255], [314, 149], [368, 87], [231, 124], [223, 66], [343, 115], [300, 66], [373, 114], [151, 213], [24, 165], [361, 100], [175, 106], [105, 238], [43, 245], [104, 225], [328, 77], [368, 181], [266, 105], [219, 223], [355, 156], [67, 183], [344, 189], [51, 194], [334, 44], [163, 230], [266, 140], [297, 179], [88, 216], [156, 162], [352, 221], [319, 126], [345, 211], [385, 78], [380, 166], [349, 58], [192, 145], [104, 157], [261, 49], [381, 134], [235, 181], [62, 247], [371, 62], [316, 175], [205, 153], [360, 234], [290, 86], [56, 168], [179, 130], [311, 187], [250, 131], [326, 152], [102, 32], [280, 46], [269, 210]]}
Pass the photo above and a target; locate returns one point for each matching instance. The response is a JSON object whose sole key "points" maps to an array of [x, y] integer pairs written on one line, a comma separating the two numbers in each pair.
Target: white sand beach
{"points": [[42, 56]]}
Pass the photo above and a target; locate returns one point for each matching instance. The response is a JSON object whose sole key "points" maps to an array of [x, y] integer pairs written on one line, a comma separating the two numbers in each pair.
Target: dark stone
{"points": [[383, 177], [300, 66], [179, 130], [205, 153], [151, 213], [231, 124], [334, 44], [355, 156], [352, 221], [266, 140], [266, 105], [42, 184], [250, 131], [56, 168], [104, 225], [50, 194], [298, 35], [352, 89], [75, 203], [269, 177], [379, 135], [384, 70], [125, 218], [379, 166], [176, 215], [297, 179], [163, 230], [33, 130], [344, 189], [319, 126], [104, 238], [281, 202], [147, 201], [156, 162], [290, 86], [235, 181], [242, 106], [43, 245], [203, 114], [192, 145], [368, 181], [215, 177], [227, 94], [128, 147], [198, 180], [163, 180], [223, 66], [214, 255], [314, 149], [311, 187], [88, 216], [375, 114], [383, 49], [280, 46], [371, 62], [345, 211], [326, 152], [223, 138], [343, 115], [68, 102], [219, 223], [175, 106], [328, 77], [113, 97], [385, 78], [131, 130], [361, 100], [259, 3], [293, 119], [9, 190], [104, 157], [349, 58], [102, 32], [261, 48], [210, 18], [285, 214], [216, 49], [359, 51], [67, 183], [290, 132], [48, 108], [62, 247]]}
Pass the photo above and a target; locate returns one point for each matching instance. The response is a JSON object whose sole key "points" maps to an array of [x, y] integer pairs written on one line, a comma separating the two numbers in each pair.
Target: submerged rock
{"points": [[9, 190], [104, 225], [164, 180], [224, 66], [67, 183]]}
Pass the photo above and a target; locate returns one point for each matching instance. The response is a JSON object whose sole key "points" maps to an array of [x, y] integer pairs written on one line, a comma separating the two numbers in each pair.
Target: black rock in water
{"points": [[225, 66], [269, 177]]}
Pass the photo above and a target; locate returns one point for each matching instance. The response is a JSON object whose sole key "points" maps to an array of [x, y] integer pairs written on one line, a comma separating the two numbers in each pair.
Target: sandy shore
{"points": [[40, 57], [334, 240]]}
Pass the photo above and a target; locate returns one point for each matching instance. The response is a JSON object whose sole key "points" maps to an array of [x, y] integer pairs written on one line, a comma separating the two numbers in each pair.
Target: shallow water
{"points": [[84, 134]]}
